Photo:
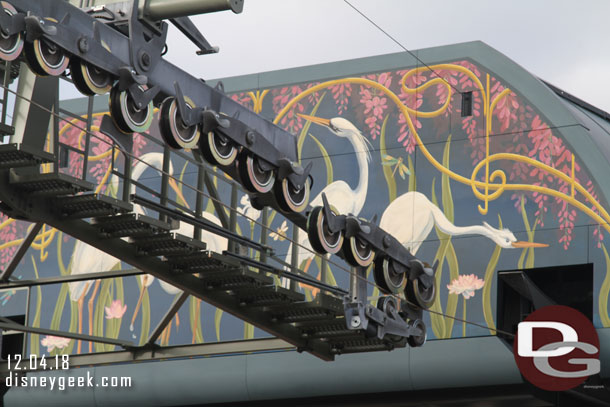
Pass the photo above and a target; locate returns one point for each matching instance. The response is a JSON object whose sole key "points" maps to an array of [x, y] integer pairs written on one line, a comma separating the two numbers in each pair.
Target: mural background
{"points": [[399, 164]]}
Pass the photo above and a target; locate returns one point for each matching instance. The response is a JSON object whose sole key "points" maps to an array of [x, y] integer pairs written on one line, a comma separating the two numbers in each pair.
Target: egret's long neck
{"points": [[449, 228], [146, 161], [153, 160], [363, 165]]}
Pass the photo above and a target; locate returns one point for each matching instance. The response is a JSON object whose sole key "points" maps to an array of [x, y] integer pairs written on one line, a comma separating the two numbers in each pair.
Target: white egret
{"points": [[340, 195], [411, 217]]}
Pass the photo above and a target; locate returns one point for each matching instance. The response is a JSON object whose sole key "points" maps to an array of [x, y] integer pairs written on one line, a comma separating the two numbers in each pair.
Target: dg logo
{"points": [[556, 348]]}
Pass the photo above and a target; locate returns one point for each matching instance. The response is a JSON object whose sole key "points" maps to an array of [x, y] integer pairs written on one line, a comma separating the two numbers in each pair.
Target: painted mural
{"points": [[497, 190]]}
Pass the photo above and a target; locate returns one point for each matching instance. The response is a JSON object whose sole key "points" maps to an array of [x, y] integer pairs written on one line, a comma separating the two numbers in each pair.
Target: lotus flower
{"points": [[115, 310], [51, 342], [466, 285]]}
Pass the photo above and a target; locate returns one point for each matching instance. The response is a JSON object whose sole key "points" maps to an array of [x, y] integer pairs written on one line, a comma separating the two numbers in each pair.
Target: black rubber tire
{"points": [[420, 296], [88, 79], [45, 59], [320, 238], [357, 253], [10, 45], [127, 117], [252, 176], [419, 340], [386, 277], [289, 199], [172, 128], [218, 150]]}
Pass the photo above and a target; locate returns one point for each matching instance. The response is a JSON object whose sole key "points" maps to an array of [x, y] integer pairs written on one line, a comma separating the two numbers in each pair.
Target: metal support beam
{"points": [[102, 275], [173, 309], [28, 117], [294, 258], [165, 181], [6, 273], [88, 137], [233, 247], [8, 325], [213, 192], [264, 234], [199, 200]]}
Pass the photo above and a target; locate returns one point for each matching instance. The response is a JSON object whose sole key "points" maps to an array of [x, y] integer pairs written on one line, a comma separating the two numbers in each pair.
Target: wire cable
{"points": [[399, 44]]}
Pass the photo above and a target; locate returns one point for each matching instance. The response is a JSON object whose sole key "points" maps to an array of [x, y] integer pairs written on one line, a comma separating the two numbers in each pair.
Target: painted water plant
{"points": [[466, 285]]}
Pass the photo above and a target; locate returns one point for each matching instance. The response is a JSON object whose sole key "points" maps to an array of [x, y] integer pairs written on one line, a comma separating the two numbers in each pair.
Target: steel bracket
{"points": [[146, 46], [12, 24]]}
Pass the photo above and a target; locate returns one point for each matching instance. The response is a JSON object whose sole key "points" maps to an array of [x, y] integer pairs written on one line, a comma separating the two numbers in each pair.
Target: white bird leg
{"points": [[139, 304], [90, 308], [81, 301]]}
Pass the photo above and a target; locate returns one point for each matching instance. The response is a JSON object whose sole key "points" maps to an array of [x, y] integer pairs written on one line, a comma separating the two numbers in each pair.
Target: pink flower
{"points": [[51, 342], [115, 310], [341, 93], [466, 285]]}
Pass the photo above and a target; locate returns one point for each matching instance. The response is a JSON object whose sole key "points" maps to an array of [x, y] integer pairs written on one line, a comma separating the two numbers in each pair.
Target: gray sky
{"points": [[562, 41]]}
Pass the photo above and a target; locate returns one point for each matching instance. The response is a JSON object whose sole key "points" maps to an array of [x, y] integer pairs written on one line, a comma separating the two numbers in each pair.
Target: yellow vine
{"points": [[257, 99], [602, 218]]}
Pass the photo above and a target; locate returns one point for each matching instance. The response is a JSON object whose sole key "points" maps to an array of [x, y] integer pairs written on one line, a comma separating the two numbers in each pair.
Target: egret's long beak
{"points": [[522, 245], [172, 183], [316, 120]]}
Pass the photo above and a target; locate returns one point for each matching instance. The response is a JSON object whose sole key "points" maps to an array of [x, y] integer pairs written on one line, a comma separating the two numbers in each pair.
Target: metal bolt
{"points": [[355, 322], [250, 138], [145, 59], [387, 241], [83, 45]]}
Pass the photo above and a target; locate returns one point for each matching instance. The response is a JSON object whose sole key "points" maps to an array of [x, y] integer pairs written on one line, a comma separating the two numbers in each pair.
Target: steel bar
{"points": [[102, 275], [88, 137], [164, 9], [305, 279], [165, 180], [27, 321], [233, 219], [294, 258], [8, 325], [10, 269], [264, 234], [203, 223], [213, 193], [199, 200], [127, 178], [169, 315]]}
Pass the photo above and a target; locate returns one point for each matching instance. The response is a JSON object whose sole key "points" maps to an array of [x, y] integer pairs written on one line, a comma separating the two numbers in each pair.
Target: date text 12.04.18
{"points": [[35, 362]]}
